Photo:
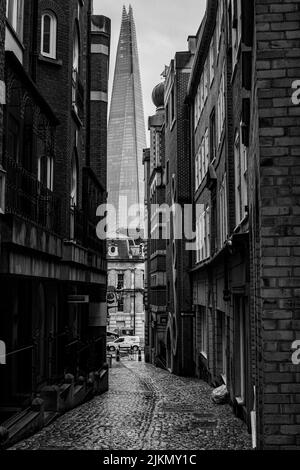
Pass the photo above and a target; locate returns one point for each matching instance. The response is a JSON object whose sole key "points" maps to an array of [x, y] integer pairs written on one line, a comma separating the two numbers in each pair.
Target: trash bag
{"points": [[220, 395]]}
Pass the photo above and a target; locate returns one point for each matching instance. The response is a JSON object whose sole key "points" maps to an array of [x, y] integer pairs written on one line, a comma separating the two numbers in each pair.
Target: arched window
{"points": [[76, 49], [49, 31], [74, 180]]}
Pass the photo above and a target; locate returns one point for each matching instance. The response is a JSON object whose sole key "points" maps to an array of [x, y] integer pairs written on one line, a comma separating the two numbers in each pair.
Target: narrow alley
{"points": [[146, 408]]}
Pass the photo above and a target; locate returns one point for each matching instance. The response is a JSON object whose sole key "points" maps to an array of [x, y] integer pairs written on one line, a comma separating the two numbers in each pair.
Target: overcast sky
{"points": [[162, 29]]}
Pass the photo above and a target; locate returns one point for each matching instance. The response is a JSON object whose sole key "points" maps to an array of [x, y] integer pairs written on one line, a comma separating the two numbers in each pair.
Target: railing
{"points": [[30, 199], [84, 221], [78, 94]]}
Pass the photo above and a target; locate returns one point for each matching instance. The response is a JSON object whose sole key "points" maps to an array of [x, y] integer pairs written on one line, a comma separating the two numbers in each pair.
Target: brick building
{"points": [[231, 147], [52, 265], [220, 266], [179, 298], [2, 83], [148, 320], [155, 180]]}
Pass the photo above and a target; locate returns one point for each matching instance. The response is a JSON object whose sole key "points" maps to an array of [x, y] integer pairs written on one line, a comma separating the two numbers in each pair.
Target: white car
{"points": [[124, 342]]}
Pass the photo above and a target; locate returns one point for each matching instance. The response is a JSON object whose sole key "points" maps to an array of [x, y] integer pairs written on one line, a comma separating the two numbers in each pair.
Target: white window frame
{"points": [[15, 15], [236, 31], [240, 349], [219, 23], [224, 347], [203, 332], [241, 177], [223, 211], [221, 107], [53, 34], [203, 235], [212, 61]]}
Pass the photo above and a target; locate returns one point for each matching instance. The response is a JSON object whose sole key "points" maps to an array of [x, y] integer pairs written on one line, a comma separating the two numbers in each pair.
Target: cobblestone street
{"points": [[145, 408]]}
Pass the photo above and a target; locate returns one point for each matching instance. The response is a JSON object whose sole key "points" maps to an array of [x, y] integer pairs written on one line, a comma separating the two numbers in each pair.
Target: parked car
{"points": [[111, 336], [124, 343]]}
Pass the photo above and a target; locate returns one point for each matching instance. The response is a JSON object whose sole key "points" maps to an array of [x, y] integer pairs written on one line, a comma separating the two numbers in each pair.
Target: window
{"points": [[240, 348], [241, 178], [74, 180], [76, 55], [45, 171], [219, 23], [212, 61], [49, 31], [168, 171], [222, 344], [121, 305], [167, 114], [15, 15], [202, 160], [203, 235], [236, 12], [205, 81], [223, 212], [212, 135], [221, 106], [202, 323], [120, 284], [172, 106]]}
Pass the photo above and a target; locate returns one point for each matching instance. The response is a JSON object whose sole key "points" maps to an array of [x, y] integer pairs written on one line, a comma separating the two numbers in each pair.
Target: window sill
{"points": [[49, 60]]}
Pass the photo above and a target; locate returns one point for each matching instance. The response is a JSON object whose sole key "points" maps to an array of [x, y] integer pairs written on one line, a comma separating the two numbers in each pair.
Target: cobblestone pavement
{"points": [[146, 408]]}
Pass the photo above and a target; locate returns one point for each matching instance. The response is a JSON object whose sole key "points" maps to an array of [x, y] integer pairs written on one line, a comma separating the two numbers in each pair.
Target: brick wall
{"points": [[274, 202]]}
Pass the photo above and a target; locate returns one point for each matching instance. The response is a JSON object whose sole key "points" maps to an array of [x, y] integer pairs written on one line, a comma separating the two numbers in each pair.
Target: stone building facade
{"points": [[126, 315], [52, 265]]}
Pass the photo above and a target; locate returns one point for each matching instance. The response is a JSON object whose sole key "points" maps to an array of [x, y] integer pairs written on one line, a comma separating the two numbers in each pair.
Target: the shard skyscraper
{"points": [[126, 142], [126, 128]]}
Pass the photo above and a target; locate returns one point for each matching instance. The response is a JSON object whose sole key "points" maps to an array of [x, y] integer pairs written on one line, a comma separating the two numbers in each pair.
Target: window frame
{"points": [[241, 176], [223, 211], [15, 16], [52, 54]]}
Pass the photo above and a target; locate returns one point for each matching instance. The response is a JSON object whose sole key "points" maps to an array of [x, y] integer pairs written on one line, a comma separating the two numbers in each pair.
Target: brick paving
{"points": [[145, 408]]}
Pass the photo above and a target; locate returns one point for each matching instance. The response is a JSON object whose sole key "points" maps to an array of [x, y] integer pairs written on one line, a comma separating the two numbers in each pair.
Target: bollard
{"points": [[110, 361], [140, 355], [118, 355]]}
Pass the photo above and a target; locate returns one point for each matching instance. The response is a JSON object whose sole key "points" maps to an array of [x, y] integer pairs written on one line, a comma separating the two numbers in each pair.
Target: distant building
{"points": [[52, 179], [126, 127], [126, 286], [126, 141], [155, 180]]}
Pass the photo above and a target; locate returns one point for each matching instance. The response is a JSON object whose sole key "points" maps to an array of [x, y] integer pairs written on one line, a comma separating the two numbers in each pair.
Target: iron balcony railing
{"points": [[30, 199]]}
